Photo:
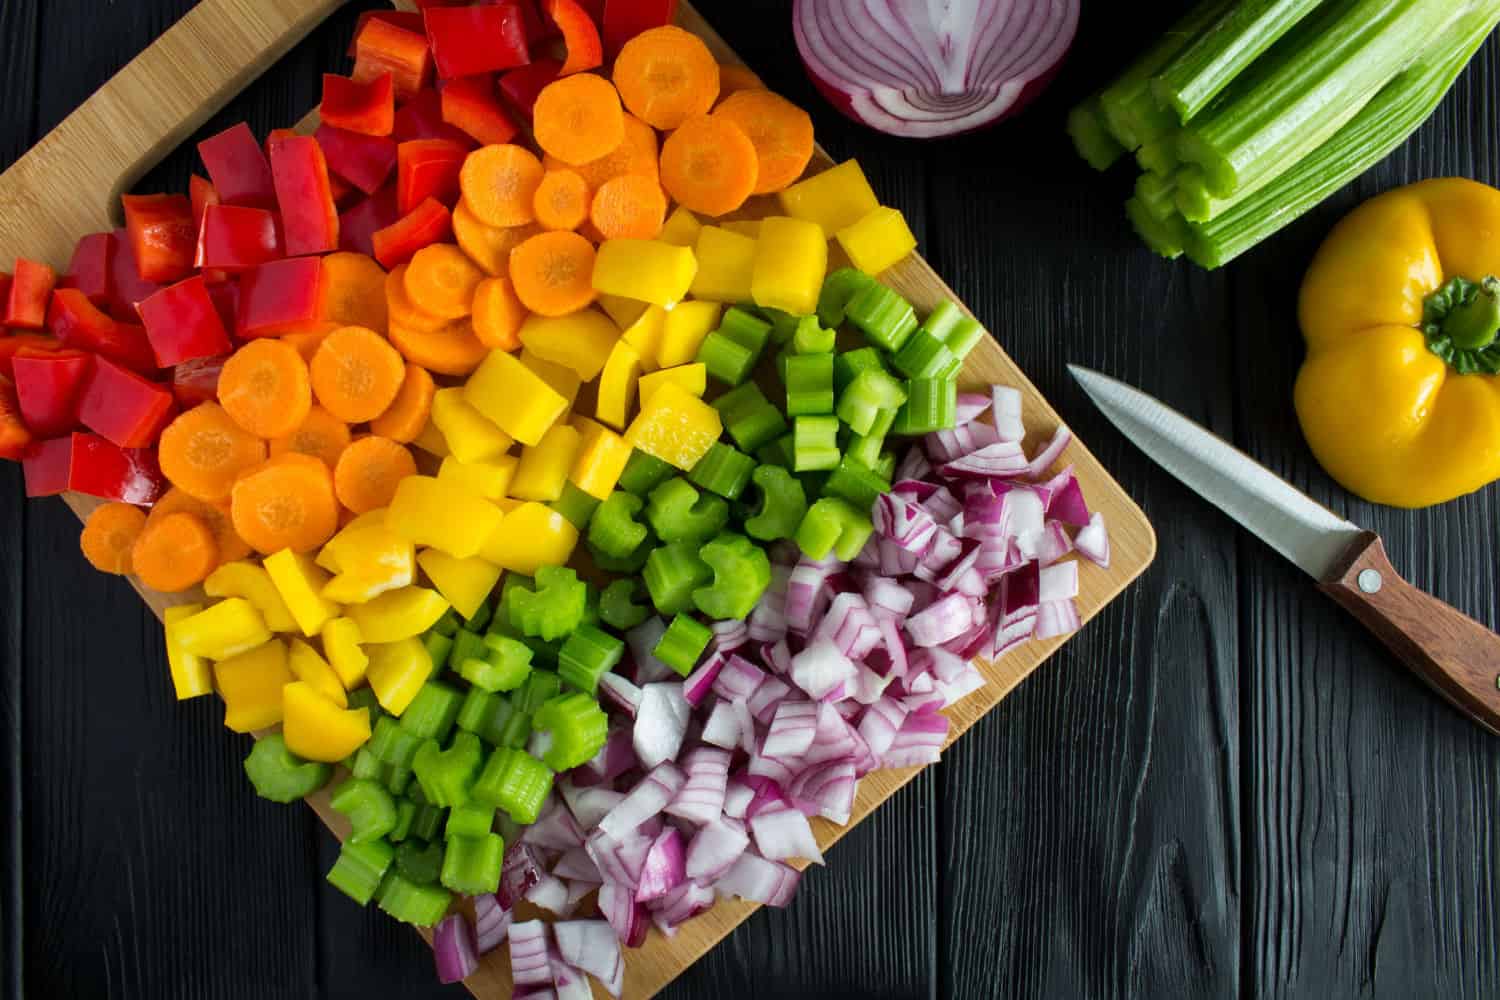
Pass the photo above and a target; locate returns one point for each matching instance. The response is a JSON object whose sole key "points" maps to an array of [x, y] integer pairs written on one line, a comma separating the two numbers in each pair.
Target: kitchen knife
{"points": [[1455, 654]]}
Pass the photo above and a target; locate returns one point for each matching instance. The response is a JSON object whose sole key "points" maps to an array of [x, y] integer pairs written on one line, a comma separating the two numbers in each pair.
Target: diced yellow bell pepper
{"points": [[431, 441], [791, 261], [745, 227], [544, 466], [645, 335], [471, 436], [686, 326], [681, 228], [439, 515], [514, 397], [693, 378], [617, 385], [347, 544], [838, 197], [622, 310], [531, 536], [316, 727], [341, 644], [726, 262], [222, 630], [877, 241], [601, 459], [250, 684], [300, 583], [369, 559], [464, 583], [648, 270], [490, 478], [397, 672], [508, 504], [580, 341], [563, 380], [399, 614], [247, 580], [191, 674], [309, 666], [676, 427]]}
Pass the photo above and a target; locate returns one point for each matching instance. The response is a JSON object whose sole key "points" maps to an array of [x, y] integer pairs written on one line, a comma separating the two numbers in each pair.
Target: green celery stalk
{"points": [[1157, 194], [1091, 136], [1168, 237]]}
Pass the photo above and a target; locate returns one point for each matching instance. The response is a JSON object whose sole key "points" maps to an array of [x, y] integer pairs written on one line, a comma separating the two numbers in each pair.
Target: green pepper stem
{"points": [[1474, 325]]}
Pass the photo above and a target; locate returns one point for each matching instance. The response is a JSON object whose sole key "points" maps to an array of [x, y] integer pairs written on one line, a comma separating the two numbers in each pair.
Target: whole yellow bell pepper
{"points": [[1399, 396]]}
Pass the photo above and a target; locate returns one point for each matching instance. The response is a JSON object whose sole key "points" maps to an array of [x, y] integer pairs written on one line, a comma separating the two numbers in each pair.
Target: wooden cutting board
{"points": [[69, 185]]}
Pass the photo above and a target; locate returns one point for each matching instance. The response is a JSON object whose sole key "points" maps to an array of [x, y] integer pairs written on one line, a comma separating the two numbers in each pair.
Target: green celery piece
{"points": [[396, 779], [781, 452], [575, 505], [812, 337], [280, 775], [478, 709], [418, 905], [746, 329], [683, 643], [471, 865], [449, 623], [495, 726], [857, 483], [431, 714], [554, 609], [541, 687], [618, 607], [816, 444], [466, 646], [506, 663], [420, 861], [365, 697], [678, 512], [643, 473], [750, 418], [427, 822], [614, 529], [673, 571], [471, 819], [1127, 107], [445, 775], [360, 868], [370, 808], [516, 782], [742, 572], [1166, 237], [847, 365], [724, 470], [406, 811], [882, 315], [1157, 194], [1159, 156], [725, 360], [838, 288], [833, 525], [1091, 137], [391, 744], [587, 655], [924, 356], [575, 727], [515, 730], [783, 503], [438, 647], [932, 405], [872, 392], [809, 384], [629, 564], [366, 765], [481, 619]]}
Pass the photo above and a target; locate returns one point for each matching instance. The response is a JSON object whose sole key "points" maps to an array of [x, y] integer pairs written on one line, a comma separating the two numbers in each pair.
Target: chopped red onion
{"points": [[551, 894], [948, 617], [577, 865], [714, 849], [723, 726], [972, 406], [946, 446], [554, 828], [767, 698], [642, 641], [589, 805], [728, 636], [620, 692], [520, 870], [880, 723], [591, 945], [807, 593], [701, 681], [778, 656], [1058, 582], [569, 983], [792, 729], [999, 460], [701, 799], [1093, 542], [529, 962], [886, 598], [738, 679], [663, 870], [828, 789], [1007, 412], [1054, 544], [753, 877], [454, 949], [737, 797], [821, 668], [491, 922], [625, 915], [918, 741], [649, 797], [660, 724], [784, 833], [1056, 618], [903, 522], [1044, 458]]}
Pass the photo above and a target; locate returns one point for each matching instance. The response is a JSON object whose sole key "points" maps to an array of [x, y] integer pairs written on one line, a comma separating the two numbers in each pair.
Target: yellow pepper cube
{"points": [[601, 459], [622, 310], [681, 228], [300, 583], [745, 227], [399, 614], [369, 559], [580, 341], [676, 427], [191, 674], [617, 385], [439, 515], [563, 380], [397, 672], [544, 466], [515, 398], [471, 436], [341, 644], [645, 335], [877, 241], [490, 478], [247, 580], [508, 504], [726, 263], [310, 667], [531, 536], [838, 197], [647, 270], [431, 441], [316, 727], [222, 630], [693, 378], [250, 684], [683, 332], [464, 583], [791, 261]]}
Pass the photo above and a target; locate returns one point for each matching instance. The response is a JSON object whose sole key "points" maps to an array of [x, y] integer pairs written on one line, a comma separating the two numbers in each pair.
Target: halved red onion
{"points": [[455, 949], [784, 833]]}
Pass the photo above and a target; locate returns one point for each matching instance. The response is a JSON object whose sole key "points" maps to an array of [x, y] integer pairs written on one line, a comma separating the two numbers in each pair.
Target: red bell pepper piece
{"points": [[226, 300], [624, 19], [580, 35], [365, 161], [344, 193], [538, 28], [32, 343], [422, 118], [30, 291], [235, 238], [367, 108], [406, 20], [14, 437], [162, 237], [521, 86], [382, 45], [594, 9], [93, 466], [201, 194], [470, 40], [309, 219], [238, 167], [123, 408], [428, 168], [197, 381], [428, 223], [89, 269], [81, 325], [471, 104], [357, 225], [182, 323], [126, 286], [48, 386], [281, 297]]}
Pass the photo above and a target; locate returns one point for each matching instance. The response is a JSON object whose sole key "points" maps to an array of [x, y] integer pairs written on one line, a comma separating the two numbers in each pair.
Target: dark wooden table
{"points": [[1222, 788]]}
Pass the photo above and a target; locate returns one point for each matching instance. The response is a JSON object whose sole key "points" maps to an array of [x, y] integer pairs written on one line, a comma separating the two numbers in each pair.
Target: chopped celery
{"points": [[515, 781], [575, 729], [471, 865], [783, 502], [809, 384], [280, 775], [419, 905], [504, 665], [431, 714], [682, 643], [855, 482], [833, 525], [587, 655], [812, 337], [838, 288], [469, 820], [575, 505], [445, 775], [779, 452], [360, 868], [391, 744], [420, 860], [438, 647], [678, 512], [614, 529], [369, 807], [882, 315], [541, 687], [750, 418], [931, 405], [741, 572], [618, 607], [406, 811], [724, 359], [672, 573], [850, 363], [643, 472], [723, 470], [816, 445], [872, 393]]}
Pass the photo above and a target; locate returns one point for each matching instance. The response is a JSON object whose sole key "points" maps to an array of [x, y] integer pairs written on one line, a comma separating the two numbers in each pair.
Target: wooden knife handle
{"points": [[1455, 654]]}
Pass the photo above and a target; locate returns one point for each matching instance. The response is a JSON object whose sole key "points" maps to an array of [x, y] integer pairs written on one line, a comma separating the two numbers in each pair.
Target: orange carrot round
{"points": [[781, 133], [452, 349], [441, 280], [666, 75], [488, 246], [214, 515], [353, 291], [499, 182], [285, 503], [202, 451], [306, 344], [709, 165], [369, 471], [108, 536], [264, 387], [631, 207], [402, 310], [407, 415], [562, 200], [577, 118], [498, 315], [321, 435], [174, 553], [356, 374], [735, 77], [553, 273]]}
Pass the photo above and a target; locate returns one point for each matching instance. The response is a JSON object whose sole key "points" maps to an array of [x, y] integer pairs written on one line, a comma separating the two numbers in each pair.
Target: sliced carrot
{"points": [[632, 207], [578, 118], [553, 273], [356, 374], [408, 413], [403, 311], [489, 246], [452, 349], [498, 183], [637, 154], [369, 471], [666, 75], [709, 165], [321, 435], [108, 536], [352, 292], [440, 279], [265, 389], [285, 503], [562, 200], [781, 132], [215, 515], [498, 314], [174, 553], [734, 77], [203, 450]]}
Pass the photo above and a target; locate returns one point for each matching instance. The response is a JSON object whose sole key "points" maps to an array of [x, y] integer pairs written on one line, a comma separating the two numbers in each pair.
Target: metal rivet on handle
{"points": [[1369, 581]]}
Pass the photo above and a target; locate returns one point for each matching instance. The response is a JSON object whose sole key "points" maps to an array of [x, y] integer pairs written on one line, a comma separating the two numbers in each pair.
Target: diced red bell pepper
{"points": [[236, 238], [126, 286], [521, 86], [93, 466], [382, 45], [358, 224], [197, 381], [182, 323], [593, 8], [406, 20], [81, 325], [470, 40], [281, 297], [238, 167], [89, 269], [538, 28], [580, 35], [48, 387], [309, 219], [472, 105], [30, 292], [365, 161], [226, 300], [14, 437], [162, 237], [624, 19], [367, 108], [29, 342], [201, 194], [428, 168], [123, 408], [344, 193], [428, 223], [422, 118]]}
